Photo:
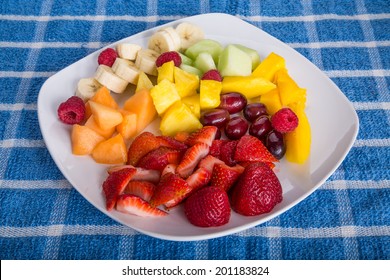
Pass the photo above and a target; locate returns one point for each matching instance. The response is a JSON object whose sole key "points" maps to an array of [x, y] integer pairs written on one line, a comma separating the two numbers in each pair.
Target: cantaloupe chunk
{"points": [[84, 140], [143, 82], [128, 127], [111, 151], [141, 104], [106, 133], [104, 116], [104, 97]]}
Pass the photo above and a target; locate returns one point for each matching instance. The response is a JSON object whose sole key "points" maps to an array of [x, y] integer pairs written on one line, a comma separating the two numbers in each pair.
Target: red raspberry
{"points": [[208, 207], [284, 120], [212, 74], [107, 57], [168, 56], [72, 111]]}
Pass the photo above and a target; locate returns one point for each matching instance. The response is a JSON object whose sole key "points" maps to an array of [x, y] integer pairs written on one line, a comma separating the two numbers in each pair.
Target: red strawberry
{"points": [[191, 159], [141, 174], [132, 204], [209, 161], [257, 191], [249, 148], [215, 149], [204, 135], [169, 168], [159, 158], [142, 144], [208, 207], [143, 189], [227, 152], [224, 176], [171, 186], [115, 184], [181, 136], [172, 143]]}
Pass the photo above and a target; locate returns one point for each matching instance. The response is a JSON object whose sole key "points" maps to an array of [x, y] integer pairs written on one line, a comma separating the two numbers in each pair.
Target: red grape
{"points": [[233, 102], [236, 128], [254, 110], [215, 117], [260, 127], [275, 144]]}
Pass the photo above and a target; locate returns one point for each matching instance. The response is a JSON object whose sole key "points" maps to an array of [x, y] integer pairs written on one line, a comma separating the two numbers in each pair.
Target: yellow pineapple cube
{"points": [[179, 118], [143, 82], [164, 94], [193, 102], [165, 71], [186, 83], [210, 91]]}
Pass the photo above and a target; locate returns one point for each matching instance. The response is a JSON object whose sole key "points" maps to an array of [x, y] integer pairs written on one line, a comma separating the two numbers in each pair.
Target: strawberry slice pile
{"points": [[208, 176]]}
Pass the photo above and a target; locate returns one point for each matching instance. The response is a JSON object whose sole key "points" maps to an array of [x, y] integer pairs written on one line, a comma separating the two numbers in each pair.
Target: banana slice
{"points": [[174, 36], [127, 50], [161, 42], [126, 70], [109, 79], [86, 88], [189, 34], [146, 61]]}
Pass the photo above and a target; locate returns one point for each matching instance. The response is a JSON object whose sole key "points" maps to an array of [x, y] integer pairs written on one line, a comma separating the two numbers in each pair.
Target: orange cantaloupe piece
{"points": [[111, 151], [104, 116], [102, 96], [128, 127], [106, 133], [84, 140]]}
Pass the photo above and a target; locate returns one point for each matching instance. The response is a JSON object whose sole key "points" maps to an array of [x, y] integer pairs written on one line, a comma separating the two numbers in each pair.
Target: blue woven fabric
{"points": [[43, 217]]}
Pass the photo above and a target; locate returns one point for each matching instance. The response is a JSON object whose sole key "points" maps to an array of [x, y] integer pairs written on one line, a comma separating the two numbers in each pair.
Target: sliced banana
{"points": [[127, 50], [189, 34], [174, 36], [106, 76], [146, 61], [161, 42], [86, 88], [126, 70]]}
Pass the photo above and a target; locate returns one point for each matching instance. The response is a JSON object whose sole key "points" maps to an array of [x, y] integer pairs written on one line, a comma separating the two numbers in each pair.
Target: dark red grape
{"points": [[254, 110], [275, 144], [260, 127], [218, 134], [233, 102], [236, 128], [216, 117]]}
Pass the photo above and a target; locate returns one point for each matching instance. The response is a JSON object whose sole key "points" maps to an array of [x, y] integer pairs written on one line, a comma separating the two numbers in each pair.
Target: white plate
{"points": [[333, 121]]}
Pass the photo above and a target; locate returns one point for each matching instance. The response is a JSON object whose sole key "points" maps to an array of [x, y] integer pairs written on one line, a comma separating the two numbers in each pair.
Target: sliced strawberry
{"points": [[215, 149], [182, 136], [227, 152], [249, 148], [204, 135], [191, 159], [143, 189], [169, 168], [141, 174], [159, 158], [246, 163], [142, 144], [115, 184], [225, 176], [171, 186], [208, 163], [171, 142], [132, 204]]}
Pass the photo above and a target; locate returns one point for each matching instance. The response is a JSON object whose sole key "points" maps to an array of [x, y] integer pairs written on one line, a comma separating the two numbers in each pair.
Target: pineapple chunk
{"points": [[84, 140], [250, 86], [105, 117], [210, 91], [111, 151], [165, 71], [179, 118], [164, 94], [193, 102], [143, 82], [268, 67], [186, 83]]}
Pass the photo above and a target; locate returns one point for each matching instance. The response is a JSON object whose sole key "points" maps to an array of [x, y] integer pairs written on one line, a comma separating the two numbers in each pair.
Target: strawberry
{"points": [[172, 143], [257, 191], [191, 159], [115, 184], [171, 186], [141, 174], [182, 136], [169, 168], [224, 176], [143, 189], [215, 149], [159, 158], [208, 162], [227, 152], [132, 204], [249, 148], [208, 207], [142, 144], [204, 135]]}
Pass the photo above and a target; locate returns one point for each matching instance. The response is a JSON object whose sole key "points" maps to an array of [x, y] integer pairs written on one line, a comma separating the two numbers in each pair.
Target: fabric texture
{"points": [[43, 217]]}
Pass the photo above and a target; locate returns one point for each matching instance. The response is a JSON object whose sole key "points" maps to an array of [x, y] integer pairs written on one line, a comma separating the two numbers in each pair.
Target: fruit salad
{"points": [[225, 116]]}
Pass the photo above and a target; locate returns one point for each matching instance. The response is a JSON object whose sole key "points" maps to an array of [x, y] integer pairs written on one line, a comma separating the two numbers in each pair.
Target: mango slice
{"points": [[289, 91], [268, 67], [250, 86]]}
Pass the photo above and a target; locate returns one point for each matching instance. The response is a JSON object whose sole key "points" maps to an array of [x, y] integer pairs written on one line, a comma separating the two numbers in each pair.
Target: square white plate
{"points": [[333, 121]]}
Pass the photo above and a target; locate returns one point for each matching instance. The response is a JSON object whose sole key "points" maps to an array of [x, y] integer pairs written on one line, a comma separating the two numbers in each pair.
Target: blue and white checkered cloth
{"points": [[43, 217]]}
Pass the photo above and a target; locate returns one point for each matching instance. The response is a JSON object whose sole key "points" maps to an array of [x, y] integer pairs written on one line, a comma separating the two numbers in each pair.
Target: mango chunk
{"points": [[250, 86], [268, 67], [272, 101], [289, 91]]}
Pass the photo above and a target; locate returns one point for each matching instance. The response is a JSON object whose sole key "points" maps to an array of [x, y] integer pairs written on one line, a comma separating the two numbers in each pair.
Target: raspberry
{"points": [[107, 57], [284, 120], [72, 111], [168, 56], [212, 74]]}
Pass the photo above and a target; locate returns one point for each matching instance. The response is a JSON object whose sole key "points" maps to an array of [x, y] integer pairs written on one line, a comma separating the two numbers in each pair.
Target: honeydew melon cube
{"points": [[191, 69], [254, 55], [204, 62], [206, 45], [185, 59], [234, 62]]}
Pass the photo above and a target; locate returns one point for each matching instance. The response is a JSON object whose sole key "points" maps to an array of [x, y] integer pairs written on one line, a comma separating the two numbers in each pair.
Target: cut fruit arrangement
{"points": [[225, 116]]}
